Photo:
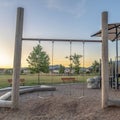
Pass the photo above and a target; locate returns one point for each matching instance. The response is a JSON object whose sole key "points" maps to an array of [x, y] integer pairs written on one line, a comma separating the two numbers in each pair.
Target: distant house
{"points": [[2, 70], [82, 69], [54, 69], [86, 70], [25, 70], [6, 70], [68, 71], [9, 71]]}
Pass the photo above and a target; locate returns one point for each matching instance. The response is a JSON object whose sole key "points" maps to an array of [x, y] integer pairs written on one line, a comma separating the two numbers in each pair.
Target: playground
{"points": [[65, 97]]}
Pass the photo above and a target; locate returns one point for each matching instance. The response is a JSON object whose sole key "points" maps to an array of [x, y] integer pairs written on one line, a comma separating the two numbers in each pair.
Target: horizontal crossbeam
{"points": [[60, 40]]}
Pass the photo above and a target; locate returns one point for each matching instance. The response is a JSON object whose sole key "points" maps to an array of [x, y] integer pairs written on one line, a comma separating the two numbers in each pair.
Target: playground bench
{"points": [[68, 79], [22, 81]]}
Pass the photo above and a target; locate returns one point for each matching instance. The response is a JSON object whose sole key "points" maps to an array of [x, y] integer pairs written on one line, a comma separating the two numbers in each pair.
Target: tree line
{"points": [[39, 61]]}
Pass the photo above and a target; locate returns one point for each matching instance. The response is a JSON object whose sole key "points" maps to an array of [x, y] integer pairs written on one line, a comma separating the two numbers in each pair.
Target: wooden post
{"points": [[105, 71], [17, 58]]}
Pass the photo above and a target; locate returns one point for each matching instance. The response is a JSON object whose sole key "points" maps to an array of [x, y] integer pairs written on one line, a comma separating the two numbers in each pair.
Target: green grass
{"points": [[32, 79]]}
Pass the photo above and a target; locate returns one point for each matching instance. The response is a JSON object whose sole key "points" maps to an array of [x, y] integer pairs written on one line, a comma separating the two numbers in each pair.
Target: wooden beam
{"points": [[105, 73], [17, 58]]}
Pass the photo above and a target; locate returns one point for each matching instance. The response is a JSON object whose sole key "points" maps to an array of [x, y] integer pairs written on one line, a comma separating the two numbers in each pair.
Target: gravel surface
{"points": [[58, 106]]}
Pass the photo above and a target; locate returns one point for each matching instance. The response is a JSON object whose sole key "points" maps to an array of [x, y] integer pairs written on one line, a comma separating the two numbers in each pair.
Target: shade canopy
{"points": [[113, 32]]}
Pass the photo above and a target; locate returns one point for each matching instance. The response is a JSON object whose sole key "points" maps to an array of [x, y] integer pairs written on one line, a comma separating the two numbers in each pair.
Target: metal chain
{"points": [[83, 93]]}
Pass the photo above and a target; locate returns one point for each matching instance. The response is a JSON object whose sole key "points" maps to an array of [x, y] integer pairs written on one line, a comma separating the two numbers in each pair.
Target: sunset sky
{"points": [[55, 19]]}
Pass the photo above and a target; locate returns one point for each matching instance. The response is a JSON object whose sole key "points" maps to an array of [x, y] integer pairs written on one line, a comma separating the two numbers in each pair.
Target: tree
{"points": [[38, 61], [75, 62], [61, 69], [95, 66]]}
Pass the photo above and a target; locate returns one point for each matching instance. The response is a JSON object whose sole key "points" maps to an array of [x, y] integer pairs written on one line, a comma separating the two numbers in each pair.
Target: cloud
{"points": [[74, 7]]}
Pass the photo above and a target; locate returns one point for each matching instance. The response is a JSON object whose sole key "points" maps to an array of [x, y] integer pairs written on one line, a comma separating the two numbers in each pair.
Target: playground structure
{"points": [[113, 35], [14, 103]]}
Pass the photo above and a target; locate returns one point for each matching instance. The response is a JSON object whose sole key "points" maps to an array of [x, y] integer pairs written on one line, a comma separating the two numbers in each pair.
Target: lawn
{"points": [[32, 79]]}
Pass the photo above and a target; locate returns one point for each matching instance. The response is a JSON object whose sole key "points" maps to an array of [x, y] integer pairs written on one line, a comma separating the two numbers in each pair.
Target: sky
{"points": [[75, 19]]}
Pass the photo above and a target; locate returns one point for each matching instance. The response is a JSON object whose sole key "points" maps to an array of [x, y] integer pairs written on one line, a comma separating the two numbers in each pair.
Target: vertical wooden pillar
{"points": [[17, 58], [105, 71]]}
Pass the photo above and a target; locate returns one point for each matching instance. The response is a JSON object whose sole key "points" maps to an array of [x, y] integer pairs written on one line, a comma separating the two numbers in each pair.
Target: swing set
{"points": [[14, 103]]}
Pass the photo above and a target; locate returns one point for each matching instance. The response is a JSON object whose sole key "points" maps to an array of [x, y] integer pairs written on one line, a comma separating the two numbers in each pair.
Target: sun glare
{"points": [[5, 61]]}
